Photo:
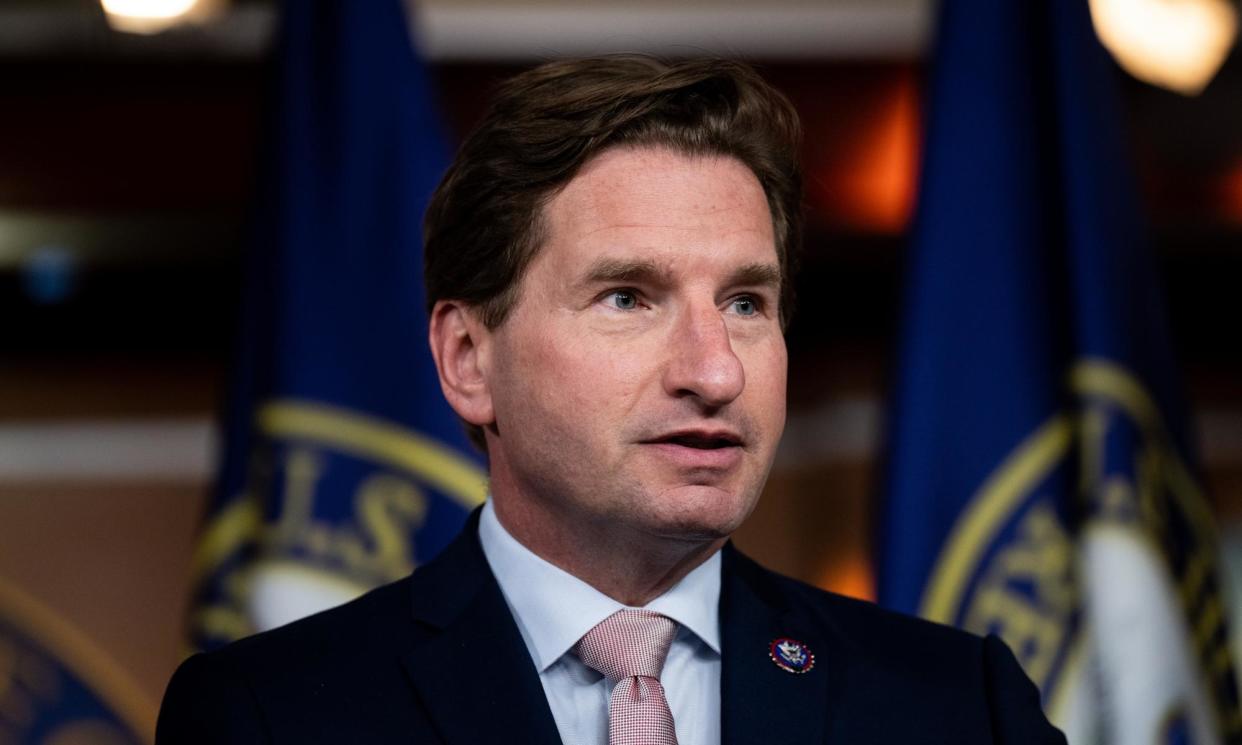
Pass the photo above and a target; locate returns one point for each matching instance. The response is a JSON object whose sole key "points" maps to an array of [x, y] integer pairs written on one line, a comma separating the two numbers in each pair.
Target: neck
{"points": [[630, 568]]}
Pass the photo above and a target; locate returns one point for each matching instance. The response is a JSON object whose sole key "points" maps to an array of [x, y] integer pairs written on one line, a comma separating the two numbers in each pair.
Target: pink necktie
{"points": [[629, 648]]}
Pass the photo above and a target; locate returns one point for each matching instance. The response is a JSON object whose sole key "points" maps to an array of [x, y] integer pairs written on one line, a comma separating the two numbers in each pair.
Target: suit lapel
{"points": [[473, 675], [472, 671], [760, 702]]}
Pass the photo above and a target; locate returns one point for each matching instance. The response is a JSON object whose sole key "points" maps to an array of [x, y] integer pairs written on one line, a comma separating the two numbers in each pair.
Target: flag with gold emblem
{"points": [[57, 687], [1041, 479], [344, 468]]}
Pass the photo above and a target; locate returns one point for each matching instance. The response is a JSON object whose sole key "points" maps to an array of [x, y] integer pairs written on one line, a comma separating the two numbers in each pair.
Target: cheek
{"points": [[562, 380], [765, 379], [592, 373]]}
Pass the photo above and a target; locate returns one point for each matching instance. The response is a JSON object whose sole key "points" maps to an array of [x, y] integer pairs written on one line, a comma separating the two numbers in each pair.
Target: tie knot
{"points": [[628, 643]]}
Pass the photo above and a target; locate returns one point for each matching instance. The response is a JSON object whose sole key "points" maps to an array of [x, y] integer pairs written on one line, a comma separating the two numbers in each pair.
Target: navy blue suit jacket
{"points": [[437, 658]]}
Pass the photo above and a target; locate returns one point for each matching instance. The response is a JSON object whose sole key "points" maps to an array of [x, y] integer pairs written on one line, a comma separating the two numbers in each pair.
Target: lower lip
{"points": [[688, 457]]}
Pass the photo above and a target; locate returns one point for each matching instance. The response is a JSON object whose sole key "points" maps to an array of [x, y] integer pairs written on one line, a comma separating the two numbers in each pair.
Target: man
{"points": [[608, 262]]}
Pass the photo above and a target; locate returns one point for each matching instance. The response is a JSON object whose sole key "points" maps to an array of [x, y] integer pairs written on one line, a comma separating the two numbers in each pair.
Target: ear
{"points": [[461, 346]]}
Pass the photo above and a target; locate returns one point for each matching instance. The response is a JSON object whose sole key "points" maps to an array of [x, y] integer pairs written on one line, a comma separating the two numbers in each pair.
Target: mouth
{"points": [[697, 449], [701, 439]]}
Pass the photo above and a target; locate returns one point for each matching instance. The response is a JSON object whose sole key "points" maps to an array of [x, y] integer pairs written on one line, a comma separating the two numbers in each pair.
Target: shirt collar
{"points": [[554, 609]]}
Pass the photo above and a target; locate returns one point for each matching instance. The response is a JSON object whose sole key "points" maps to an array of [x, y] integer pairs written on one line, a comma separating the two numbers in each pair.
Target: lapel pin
{"points": [[791, 655]]}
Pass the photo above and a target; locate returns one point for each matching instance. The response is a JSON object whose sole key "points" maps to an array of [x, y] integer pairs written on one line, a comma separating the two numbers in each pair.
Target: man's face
{"points": [[638, 384]]}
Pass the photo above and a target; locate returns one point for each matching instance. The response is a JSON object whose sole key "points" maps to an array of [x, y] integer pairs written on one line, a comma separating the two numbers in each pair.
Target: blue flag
{"points": [[1041, 482], [57, 687], [344, 468]]}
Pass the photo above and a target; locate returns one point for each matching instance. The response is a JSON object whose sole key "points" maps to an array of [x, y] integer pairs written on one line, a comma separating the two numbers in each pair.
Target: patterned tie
{"points": [[629, 648]]}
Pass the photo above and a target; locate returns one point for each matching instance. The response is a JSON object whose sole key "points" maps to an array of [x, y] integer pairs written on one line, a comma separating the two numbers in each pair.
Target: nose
{"points": [[702, 363]]}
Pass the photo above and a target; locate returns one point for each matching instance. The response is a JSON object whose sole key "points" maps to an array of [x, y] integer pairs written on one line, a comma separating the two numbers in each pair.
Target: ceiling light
{"points": [[153, 16], [1176, 44]]}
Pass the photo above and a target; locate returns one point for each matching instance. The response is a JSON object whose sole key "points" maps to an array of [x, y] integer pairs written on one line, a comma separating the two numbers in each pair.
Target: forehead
{"points": [[660, 200]]}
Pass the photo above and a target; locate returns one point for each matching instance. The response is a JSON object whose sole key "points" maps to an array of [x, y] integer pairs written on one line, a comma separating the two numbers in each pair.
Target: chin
{"points": [[701, 513]]}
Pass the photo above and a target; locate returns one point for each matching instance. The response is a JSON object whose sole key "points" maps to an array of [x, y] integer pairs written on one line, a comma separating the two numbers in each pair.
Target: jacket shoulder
{"points": [[349, 629], [943, 679], [869, 629], [329, 667]]}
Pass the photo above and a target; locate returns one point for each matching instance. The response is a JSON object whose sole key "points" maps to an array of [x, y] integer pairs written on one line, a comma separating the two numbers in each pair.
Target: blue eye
{"points": [[623, 299], [745, 306]]}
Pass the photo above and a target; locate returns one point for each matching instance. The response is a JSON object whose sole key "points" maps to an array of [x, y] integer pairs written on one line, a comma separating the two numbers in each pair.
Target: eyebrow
{"points": [[761, 275], [608, 270]]}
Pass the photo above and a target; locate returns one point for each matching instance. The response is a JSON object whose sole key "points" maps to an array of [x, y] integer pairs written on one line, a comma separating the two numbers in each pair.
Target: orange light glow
{"points": [[1231, 194], [867, 182], [852, 576]]}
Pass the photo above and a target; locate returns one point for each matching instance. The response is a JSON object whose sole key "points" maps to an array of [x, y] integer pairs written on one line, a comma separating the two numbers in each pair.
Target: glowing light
{"points": [[852, 576], [152, 16], [1230, 194], [869, 183], [1176, 44]]}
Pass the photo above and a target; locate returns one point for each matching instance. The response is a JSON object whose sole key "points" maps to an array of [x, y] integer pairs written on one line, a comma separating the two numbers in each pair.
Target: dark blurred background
{"points": [[127, 168]]}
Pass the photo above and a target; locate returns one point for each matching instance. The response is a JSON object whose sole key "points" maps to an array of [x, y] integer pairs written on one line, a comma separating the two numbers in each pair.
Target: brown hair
{"points": [[484, 223]]}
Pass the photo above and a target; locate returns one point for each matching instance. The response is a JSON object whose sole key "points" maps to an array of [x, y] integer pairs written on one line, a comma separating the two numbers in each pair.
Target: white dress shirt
{"points": [[553, 609]]}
